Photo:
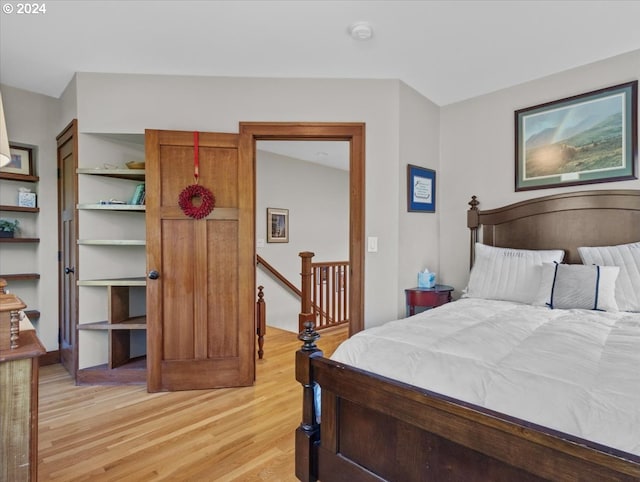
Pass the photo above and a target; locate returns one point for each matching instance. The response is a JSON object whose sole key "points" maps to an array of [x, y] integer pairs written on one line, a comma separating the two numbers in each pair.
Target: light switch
{"points": [[260, 243], [372, 244]]}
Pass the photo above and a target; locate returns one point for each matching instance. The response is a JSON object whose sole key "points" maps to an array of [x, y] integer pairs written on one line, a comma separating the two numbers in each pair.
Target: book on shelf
{"points": [[138, 195]]}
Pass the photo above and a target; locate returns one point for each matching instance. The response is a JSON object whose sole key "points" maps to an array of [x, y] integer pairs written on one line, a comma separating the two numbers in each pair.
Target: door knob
{"points": [[153, 274], [69, 270]]}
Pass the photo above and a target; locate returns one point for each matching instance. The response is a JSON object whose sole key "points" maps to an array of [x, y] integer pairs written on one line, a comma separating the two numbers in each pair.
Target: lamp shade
{"points": [[5, 154]]}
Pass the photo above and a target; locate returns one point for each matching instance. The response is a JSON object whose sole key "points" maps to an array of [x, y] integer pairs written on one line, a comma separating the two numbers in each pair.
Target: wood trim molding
{"points": [[354, 133], [49, 358]]}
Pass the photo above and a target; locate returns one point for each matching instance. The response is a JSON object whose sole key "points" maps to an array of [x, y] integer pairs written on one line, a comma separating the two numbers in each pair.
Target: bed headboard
{"points": [[561, 221]]}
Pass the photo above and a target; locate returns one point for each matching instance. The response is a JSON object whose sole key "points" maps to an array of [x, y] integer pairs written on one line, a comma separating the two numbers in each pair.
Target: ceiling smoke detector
{"points": [[361, 31]]}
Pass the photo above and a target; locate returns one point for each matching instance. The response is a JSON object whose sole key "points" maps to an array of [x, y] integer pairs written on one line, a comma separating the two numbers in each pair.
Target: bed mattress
{"points": [[576, 371]]}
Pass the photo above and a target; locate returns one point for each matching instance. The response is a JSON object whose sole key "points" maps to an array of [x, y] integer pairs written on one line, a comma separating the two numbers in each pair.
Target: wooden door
{"points": [[200, 307], [68, 253]]}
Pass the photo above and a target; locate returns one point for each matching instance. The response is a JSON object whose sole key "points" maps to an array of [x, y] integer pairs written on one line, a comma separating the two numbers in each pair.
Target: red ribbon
{"points": [[196, 155]]}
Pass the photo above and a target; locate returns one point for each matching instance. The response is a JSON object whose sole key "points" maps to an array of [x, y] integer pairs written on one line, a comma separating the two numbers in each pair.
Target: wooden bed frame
{"points": [[375, 428]]}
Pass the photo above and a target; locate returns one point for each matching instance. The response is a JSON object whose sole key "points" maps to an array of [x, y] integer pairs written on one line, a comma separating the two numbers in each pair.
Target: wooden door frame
{"points": [[354, 133], [68, 134]]}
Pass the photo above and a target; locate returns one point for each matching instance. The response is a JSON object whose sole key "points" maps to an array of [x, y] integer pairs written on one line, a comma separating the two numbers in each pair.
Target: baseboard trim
{"points": [[50, 358]]}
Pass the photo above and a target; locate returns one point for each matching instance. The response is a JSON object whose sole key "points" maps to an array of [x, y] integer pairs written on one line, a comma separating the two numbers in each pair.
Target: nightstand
{"points": [[427, 297]]}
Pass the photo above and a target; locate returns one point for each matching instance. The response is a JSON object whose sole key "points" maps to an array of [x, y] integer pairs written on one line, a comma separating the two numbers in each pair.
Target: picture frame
{"points": [[421, 189], [21, 161], [583, 139], [277, 225]]}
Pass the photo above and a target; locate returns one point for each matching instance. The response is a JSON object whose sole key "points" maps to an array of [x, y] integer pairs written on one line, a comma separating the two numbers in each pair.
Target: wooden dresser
{"points": [[18, 396]]}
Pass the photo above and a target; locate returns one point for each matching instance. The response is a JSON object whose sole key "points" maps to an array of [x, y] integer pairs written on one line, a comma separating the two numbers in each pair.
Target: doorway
{"points": [[354, 134], [302, 186]]}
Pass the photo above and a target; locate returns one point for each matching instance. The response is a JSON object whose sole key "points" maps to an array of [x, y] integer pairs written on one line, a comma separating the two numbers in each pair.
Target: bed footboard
{"points": [[374, 428], [308, 433]]}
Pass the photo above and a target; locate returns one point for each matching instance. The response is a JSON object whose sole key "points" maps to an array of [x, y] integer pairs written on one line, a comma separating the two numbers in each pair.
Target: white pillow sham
{"points": [[627, 257], [508, 274], [569, 286]]}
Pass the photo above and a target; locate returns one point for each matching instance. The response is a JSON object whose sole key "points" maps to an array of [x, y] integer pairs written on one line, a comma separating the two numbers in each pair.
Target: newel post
{"points": [[261, 315], [473, 221], [308, 433], [306, 314]]}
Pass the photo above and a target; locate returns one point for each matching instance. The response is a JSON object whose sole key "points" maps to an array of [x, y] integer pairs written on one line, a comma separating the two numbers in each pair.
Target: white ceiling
{"points": [[446, 50], [333, 154]]}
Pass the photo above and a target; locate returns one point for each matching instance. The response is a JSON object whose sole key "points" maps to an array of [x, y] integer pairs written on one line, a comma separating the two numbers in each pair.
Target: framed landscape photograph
{"points": [[583, 139], [421, 189], [21, 161], [277, 225]]}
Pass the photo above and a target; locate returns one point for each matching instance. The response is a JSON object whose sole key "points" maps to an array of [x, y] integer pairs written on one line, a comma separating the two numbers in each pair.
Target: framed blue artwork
{"points": [[421, 189]]}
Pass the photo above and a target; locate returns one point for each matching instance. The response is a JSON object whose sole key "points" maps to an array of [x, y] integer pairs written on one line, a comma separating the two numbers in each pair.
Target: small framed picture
{"points": [[277, 225], [421, 189], [21, 161]]}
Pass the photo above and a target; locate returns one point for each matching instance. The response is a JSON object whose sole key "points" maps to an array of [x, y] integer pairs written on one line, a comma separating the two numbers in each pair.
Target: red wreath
{"points": [[208, 201]]}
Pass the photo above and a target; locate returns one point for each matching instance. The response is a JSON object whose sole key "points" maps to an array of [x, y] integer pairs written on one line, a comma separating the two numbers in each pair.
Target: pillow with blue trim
{"points": [[586, 287], [627, 257]]}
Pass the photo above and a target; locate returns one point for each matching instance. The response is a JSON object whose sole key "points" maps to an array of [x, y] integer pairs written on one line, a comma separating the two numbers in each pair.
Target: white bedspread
{"points": [[575, 371]]}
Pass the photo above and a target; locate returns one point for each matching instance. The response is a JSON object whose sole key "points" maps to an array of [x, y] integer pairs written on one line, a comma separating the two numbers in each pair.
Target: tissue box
{"points": [[426, 280], [27, 199]]}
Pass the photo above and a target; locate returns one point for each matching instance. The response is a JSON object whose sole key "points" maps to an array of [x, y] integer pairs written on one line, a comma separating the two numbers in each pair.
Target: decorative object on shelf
{"points": [[277, 225], [8, 228], [421, 189], [138, 195], [21, 161], [207, 199], [582, 139], [135, 164], [26, 198]]}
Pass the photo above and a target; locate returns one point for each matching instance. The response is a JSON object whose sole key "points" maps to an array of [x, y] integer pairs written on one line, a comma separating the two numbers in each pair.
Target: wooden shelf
{"points": [[32, 314], [130, 174], [20, 276], [10, 176], [135, 371], [141, 281], [124, 326], [135, 323], [112, 242], [19, 240], [112, 207], [19, 209]]}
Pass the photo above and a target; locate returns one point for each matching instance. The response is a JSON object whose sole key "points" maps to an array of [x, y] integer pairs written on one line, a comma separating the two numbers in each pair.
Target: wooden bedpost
{"points": [[306, 313], [308, 433], [473, 221]]}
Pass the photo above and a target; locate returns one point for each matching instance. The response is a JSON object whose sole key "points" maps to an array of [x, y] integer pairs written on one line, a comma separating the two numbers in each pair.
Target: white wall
{"points": [[317, 198], [130, 103], [477, 156], [418, 236], [114, 103], [32, 120]]}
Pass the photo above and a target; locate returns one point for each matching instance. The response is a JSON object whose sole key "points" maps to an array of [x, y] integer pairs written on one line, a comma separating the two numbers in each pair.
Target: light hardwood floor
{"points": [[123, 433]]}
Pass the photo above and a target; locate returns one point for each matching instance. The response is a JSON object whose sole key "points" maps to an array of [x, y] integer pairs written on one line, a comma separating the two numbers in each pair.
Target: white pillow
{"points": [[569, 286], [508, 274], [627, 257]]}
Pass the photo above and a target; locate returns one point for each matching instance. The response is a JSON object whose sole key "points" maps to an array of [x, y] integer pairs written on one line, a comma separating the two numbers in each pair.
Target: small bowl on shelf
{"points": [[135, 164]]}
